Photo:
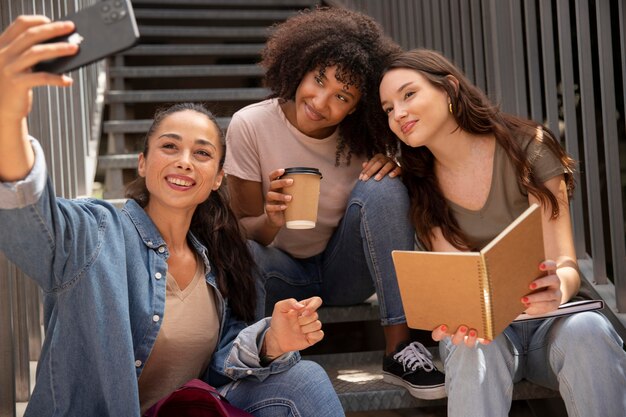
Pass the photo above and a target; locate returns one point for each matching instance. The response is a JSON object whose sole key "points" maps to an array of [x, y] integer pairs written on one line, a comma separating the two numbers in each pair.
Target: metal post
{"points": [[7, 382]]}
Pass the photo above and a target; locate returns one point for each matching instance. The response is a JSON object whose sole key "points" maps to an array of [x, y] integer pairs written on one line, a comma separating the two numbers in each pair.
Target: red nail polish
{"points": [[462, 329], [444, 328], [525, 300], [542, 266], [472, 333], [533, 286]]}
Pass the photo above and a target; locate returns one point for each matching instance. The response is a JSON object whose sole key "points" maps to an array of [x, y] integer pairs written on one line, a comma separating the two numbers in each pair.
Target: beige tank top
{"points": [[185, 342]]}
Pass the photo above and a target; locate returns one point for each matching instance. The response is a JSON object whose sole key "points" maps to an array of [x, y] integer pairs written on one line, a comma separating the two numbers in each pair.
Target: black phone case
{"points": [[101, 30]]}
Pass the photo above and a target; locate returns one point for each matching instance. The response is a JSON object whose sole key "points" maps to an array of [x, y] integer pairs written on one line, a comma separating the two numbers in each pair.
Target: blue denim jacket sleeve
{"points": [[62, 237], [237, 354]]}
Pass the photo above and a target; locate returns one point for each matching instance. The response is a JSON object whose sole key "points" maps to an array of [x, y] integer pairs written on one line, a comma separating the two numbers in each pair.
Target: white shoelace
{"points": [[414, 356]]}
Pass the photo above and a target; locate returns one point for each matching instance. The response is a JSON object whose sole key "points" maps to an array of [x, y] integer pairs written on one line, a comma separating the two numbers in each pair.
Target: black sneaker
{"points": [[411, 366]]}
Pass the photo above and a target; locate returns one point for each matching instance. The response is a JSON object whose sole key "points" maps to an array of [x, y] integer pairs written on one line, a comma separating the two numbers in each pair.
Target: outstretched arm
{"points": [[20, 49]]}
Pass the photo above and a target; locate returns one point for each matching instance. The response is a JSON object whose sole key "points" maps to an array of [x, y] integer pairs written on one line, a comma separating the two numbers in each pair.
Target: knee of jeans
{"points": [[310, 377], [590, 325], [388, 193]]}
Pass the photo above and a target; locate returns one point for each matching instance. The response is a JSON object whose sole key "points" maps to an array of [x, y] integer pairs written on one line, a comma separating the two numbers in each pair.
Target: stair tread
{"points": [[246, 49], [212, 94], [222, 14], [230, 3], [213, 32], [187, 71], [142, 125], [357, 377]]}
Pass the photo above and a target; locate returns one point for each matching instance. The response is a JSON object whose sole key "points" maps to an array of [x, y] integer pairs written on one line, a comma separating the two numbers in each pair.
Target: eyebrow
{"points": [[179, 138], [402, 87], [323, 75]]}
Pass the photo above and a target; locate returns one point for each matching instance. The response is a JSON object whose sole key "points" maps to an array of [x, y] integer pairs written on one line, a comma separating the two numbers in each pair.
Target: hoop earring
{"points": [[450, 107]]}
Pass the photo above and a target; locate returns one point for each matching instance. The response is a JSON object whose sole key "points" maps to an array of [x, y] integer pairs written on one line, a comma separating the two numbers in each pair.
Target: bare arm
{"points": [[20, 49], [261, 217], [559, 246]]}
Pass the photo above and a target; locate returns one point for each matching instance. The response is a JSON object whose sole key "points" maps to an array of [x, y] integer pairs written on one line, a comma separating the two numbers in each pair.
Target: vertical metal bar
{"points": [[611, 150], [490, 61], [427, 21], [20, 336], [569, 116], [479, 45], [549, 66], [533, 60], [589, 133], [33, 307], [7, 362], [517, 55], [457, 37], [467, 49], [436, 25], [445, 23]]}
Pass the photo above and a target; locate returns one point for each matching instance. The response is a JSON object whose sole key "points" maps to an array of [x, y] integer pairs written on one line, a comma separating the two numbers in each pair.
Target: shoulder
{"points": [[256, 112]]}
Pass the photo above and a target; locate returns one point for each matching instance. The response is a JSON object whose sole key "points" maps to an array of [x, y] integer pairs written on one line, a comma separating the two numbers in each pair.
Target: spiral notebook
{"points": [[478, 289]]}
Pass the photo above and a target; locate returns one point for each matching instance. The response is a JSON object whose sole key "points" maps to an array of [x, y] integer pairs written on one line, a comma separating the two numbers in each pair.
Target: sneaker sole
{"points": [[431, 393]]}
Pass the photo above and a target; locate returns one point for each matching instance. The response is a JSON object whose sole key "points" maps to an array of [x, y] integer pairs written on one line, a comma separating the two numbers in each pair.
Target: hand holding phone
{"points": [[106, 28]]}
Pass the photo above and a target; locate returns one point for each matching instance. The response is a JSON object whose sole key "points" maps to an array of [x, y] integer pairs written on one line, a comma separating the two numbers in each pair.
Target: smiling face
{"points": [[417, 110], [182, 164], [321, 103]]}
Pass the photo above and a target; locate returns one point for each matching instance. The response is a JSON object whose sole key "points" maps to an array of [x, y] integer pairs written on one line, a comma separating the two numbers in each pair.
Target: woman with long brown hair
{"points": [[471, 170]]}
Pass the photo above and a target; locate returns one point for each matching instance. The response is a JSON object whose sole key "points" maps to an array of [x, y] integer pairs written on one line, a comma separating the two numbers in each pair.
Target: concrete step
{"points": [[142, 125], [212, 94], [212, 14], [222, 50], [227, 33], [357, 377], [230, 3], [187, 71]]}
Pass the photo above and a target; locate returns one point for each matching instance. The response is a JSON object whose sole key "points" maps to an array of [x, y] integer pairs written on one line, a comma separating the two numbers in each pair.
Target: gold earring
{"points": [[450, 107]]}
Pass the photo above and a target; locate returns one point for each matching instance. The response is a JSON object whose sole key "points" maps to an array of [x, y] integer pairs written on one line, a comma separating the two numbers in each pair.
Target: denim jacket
{"points": [[102, 272]]}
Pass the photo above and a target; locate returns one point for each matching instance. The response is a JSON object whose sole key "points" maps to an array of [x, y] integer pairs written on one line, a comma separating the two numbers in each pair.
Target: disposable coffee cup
{"points": [[301, 211]]}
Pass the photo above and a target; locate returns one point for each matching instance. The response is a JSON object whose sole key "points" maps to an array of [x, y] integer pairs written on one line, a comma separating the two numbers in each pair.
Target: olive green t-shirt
{"points": [[507, 199]]}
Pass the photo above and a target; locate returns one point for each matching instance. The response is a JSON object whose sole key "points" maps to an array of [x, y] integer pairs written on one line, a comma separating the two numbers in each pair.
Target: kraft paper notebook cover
{"points": [[479, 289]]}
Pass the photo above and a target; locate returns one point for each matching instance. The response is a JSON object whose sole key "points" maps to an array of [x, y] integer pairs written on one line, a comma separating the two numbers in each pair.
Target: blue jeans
{"points": [[357, 260], [580, 355], [304, 390]]}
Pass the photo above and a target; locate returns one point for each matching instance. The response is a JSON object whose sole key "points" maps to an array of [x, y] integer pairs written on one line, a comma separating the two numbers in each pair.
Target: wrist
{"points": [[270, 349]]}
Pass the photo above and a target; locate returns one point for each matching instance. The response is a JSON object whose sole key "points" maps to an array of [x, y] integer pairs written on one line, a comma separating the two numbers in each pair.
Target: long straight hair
{"points": [[475, 114], [214, 224]]}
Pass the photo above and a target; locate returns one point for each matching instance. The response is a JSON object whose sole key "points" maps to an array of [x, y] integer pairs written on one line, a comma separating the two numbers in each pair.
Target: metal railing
{"points": [[67, 123], [562, 62]]}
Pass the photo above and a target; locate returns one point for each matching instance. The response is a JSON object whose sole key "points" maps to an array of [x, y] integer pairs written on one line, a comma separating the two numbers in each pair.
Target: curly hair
{"points": [[354, 43], [475, 114]]}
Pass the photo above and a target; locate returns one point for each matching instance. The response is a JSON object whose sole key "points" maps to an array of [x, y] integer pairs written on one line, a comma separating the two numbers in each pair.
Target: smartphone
{"points": [[106, 28]]}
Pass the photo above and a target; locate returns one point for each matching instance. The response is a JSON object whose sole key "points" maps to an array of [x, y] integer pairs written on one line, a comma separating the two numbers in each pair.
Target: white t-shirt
{"points": [[260, 140]]}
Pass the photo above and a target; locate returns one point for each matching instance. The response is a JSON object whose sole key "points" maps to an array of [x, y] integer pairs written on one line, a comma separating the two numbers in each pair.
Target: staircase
{"points": [[207, 50]]}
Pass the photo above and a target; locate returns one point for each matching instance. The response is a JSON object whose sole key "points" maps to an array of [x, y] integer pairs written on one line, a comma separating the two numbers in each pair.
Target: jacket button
{"points": [[158, 275], [161, 249], [137, 363], [155, 318]]}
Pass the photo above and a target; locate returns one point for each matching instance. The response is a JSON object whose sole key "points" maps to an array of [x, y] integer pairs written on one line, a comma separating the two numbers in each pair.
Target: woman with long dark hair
{"points": [[139, 301], [471, 170]]}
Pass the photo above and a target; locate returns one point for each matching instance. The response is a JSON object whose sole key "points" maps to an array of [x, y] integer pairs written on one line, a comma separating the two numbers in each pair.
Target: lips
{"points": [[406, 127], [180, 181], [312, 113]]}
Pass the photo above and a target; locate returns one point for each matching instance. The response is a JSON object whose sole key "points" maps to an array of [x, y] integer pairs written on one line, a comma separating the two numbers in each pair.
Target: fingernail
{"points": [[525, 300], [542, 266], [462, 329], [444, 328], [472, 333], [533, 286]]}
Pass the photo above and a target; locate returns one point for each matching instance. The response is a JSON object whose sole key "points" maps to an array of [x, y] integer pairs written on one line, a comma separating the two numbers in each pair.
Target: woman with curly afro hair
{"points": [[323, 68]]}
